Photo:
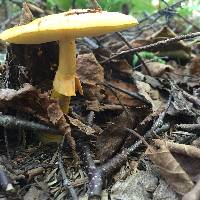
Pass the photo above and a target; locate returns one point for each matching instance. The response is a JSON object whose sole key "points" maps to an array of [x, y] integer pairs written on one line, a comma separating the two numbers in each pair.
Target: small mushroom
{"points": [[65, 28]]}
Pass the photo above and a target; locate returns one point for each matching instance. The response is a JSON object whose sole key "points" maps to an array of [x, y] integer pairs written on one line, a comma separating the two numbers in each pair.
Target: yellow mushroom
{"points": [[65, 28]]}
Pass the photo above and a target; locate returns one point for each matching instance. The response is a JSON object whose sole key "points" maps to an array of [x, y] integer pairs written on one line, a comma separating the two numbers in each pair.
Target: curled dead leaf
{"points": [[158, 69], [170, 169]]}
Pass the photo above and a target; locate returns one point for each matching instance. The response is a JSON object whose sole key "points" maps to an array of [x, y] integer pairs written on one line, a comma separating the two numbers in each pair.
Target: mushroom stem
{"points": [[65, 82]]}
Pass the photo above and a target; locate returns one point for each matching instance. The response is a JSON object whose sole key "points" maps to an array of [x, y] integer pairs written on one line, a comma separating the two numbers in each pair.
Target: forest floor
{"points": [[133, 135]]}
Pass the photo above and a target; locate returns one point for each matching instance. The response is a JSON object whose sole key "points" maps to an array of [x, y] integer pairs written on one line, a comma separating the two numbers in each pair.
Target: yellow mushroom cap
{"points": [[71, 24]]}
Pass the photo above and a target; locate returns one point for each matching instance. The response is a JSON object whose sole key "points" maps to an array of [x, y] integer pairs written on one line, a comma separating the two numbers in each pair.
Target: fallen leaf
{"points": [[22, 101], [119, 69], [150, 94], [81, 126], [174, 50], [111, 139], [188, 156], [194, 194], [124, 98], [195, 66], [169, 168], [90, 73], [158, 69]]}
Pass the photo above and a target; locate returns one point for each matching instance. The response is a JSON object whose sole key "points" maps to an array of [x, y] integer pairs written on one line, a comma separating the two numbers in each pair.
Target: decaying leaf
{"points": [[54, 113], [44, 108], [22, 101], [111, 139], [194, 194], [90, 73], [26, 16], [170, 169], [119, 69], [188, 156], [125, 99], [174, 50], [150, 94], [195, 66], [158, 69], [81, 126], [93, 105], [57, 116]]}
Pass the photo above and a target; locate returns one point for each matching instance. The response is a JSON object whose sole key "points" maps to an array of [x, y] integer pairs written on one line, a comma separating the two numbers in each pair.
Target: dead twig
{"points": [[66, 183], [11, 122], [195, 128], [95, 176], [96, 5], [189, 22], [152, 46], [98, 175], [132, 94], [163, 11], [131, 47], [137, 135]]}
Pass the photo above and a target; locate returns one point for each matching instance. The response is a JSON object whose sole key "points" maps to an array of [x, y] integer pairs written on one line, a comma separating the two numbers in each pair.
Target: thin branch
{"points": [[162, 43], [132, 94], [95, 4], [66, 183], [131, 47], [163, 11], [10, 122], [189, 22], [95, 177]]}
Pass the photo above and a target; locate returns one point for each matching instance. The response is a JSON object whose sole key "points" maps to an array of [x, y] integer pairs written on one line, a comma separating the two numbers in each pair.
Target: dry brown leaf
{"points": [[125, 99], [195, 66], [54, 112], [112, 138], [194, 194], [170, 169], [89, 70], [57, 117], [150, 94], [90, 73], [188, 156], [174, 50], [158, 69], [22, 101], [81, 126], [183, 149], [93, 105], [44, 108], [119, 69], [26, 16]]}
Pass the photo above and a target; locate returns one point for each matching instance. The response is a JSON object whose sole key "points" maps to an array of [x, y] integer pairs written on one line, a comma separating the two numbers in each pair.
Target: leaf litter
{"points": [[130, 136]]}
